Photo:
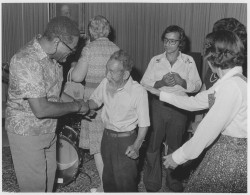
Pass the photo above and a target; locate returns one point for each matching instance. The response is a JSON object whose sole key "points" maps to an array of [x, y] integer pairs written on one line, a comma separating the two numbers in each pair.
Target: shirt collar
{"points": [[40, 52], [127, 86], [235, 70], [102, 38], [179, 57]]}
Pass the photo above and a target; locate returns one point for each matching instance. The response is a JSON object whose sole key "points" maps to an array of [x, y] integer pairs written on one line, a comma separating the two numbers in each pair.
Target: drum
{"points": [[68, 155]]}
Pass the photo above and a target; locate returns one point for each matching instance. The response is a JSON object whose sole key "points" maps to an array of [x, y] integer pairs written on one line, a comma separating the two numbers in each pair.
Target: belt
{"points": [[112, 133]]}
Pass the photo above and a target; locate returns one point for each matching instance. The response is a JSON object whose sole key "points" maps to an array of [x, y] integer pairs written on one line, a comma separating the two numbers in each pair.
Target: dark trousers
{"points": [[120, 171], [168, 122]]}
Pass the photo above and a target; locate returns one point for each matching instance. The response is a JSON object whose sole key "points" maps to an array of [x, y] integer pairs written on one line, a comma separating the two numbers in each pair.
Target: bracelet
{"points": [[79, 105]]}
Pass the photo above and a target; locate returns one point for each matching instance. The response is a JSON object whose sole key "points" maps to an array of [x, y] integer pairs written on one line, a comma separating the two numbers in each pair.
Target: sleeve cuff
{"points": [[98, 103], [166, 97], [178, 156]]}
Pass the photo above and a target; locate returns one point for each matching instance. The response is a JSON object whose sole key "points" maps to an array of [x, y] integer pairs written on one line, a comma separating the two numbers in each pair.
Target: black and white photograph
{"points": [[124, 96]]}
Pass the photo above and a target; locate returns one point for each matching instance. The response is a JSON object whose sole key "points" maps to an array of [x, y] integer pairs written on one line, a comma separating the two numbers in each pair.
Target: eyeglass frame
{"points": [[71, 50], [169, 40]]}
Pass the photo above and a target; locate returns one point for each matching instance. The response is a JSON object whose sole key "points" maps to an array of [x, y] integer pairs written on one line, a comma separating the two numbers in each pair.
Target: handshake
{"points": [[84, 108]]}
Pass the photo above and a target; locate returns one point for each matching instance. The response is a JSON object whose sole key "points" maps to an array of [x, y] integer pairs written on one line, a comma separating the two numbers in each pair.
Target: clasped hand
{"points": [[172, 78], [132, 152], [169, 162], [85, 107]]}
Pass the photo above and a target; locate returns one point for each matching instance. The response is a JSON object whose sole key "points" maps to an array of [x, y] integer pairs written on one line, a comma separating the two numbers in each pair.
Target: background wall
{"points": [[20, 23], [138, 26]]}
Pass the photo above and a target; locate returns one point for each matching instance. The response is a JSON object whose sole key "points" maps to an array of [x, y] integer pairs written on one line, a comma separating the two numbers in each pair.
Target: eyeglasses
{"points": [[71, 50], [170, 41]]}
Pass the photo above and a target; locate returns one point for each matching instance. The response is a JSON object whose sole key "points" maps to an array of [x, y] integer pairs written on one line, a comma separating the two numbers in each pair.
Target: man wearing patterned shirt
{"points": [[125, 106], [34, 104]]}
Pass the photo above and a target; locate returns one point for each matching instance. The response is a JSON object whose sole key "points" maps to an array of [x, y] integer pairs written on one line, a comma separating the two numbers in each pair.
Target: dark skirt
{"points": [[223, 169]]}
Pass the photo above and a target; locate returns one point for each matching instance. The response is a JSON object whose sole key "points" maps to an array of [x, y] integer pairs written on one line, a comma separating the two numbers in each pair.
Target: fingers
{"points": [[92, 113], [85, 107], [131, 153], [169, 79], [144, 85], [169, 163]]}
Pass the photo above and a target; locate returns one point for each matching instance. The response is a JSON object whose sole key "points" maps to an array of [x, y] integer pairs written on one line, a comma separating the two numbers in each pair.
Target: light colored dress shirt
{"points": [[32, 75], [184, 66], [227, 116], [124, 110]]}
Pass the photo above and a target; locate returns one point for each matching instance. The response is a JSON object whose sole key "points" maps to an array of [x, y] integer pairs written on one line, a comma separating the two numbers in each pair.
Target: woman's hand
{"points": [[151, 89], [169, 162]]}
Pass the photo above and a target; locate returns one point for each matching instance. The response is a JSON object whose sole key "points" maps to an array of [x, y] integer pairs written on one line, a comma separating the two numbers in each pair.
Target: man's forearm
{"points": [[184, 84], [140, 137], [42, 108], [66, 98]]}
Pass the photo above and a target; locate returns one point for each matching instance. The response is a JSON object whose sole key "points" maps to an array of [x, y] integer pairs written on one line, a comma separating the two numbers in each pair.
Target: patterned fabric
{"points": [[211, 99], [91, 132], [95, 54], [223, 169], [32, 75]]}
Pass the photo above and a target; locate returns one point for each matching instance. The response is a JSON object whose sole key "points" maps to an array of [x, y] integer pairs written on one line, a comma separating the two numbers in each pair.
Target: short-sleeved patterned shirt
{"points": [[32, 75]]}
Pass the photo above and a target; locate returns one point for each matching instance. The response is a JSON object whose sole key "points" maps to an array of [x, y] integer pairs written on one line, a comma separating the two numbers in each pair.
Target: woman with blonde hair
{"points": [[91, 67]]}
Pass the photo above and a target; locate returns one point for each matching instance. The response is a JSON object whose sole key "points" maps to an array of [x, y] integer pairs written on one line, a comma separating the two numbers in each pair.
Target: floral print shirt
{"points": [[32, 75]]}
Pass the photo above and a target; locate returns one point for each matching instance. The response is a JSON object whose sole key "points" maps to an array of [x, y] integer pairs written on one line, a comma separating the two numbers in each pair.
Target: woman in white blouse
{"points": [[224, 128]]}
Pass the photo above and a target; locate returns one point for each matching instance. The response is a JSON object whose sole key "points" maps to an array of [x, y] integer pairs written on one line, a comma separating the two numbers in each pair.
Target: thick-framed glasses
{"points": [[170, 41], [71, 50]]}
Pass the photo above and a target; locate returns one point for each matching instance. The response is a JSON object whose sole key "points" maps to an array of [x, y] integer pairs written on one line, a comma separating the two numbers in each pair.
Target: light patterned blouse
{"points": [[32, 75], [96, 55]]}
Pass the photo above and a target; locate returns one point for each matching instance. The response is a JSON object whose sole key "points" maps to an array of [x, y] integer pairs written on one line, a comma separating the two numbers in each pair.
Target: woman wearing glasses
{"points": [[91, 67], [173, 72]]}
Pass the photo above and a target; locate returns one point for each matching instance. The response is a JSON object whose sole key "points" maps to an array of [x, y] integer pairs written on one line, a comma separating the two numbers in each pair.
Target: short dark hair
{"points": [[226, 50], [62, 27], [175, 28], [124, 58]]}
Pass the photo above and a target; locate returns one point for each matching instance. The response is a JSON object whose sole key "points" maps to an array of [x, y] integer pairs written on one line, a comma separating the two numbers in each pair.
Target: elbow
{"points": [[197, 87], [39, 114]]}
